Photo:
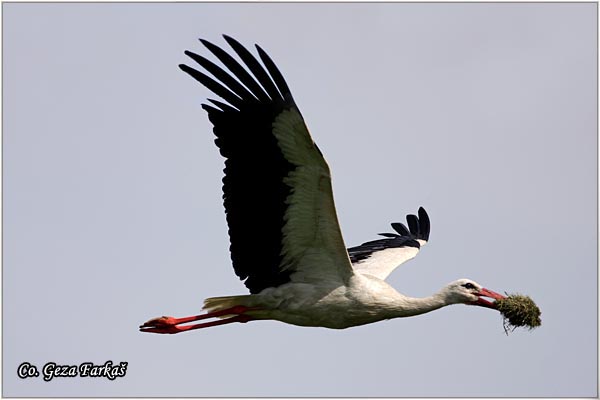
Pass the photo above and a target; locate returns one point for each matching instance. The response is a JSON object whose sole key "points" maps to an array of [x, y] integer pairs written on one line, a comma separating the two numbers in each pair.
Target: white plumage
{"points": [[382, 263], [285, 238]]}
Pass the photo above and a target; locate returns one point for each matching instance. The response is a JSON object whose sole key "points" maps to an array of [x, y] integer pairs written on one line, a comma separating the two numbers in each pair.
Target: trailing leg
{"points": [[172, 325]]}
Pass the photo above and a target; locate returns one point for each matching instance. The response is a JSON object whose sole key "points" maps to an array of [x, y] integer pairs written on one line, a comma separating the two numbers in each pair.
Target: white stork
{"points": [[285, 238]]}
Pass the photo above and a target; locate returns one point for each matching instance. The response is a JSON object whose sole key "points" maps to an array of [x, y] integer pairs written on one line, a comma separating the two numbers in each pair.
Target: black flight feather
{"points": [[276, 74], [413, 224], [257, 70], [237, 70], [213, 85], [424, 224], [222, 76], [400, 228]]}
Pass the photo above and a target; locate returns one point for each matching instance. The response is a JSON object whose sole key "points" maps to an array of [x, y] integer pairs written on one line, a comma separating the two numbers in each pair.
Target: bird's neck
{"points": [[408, 306]]}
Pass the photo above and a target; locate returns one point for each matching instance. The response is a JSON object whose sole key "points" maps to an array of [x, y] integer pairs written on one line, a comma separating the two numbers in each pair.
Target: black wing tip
{"points": [[228, 38], [400, 228], [205, 42], [424, 223], [389, 235], [210, 45], [418, 226], [261, 52], [418, 229], [225, 36], [413, 224]]}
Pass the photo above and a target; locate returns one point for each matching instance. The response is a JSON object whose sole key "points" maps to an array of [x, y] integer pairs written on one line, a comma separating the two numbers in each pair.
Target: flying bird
{"points": [[285, 239]]}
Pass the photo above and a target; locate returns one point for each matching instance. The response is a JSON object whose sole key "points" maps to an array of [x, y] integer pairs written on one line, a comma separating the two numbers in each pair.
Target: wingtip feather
{"points": [[413, 224], [400, 228], [424, 223]]}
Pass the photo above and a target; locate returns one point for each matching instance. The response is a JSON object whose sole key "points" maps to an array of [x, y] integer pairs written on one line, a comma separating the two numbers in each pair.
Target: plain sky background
{"points": [[483, 113]]}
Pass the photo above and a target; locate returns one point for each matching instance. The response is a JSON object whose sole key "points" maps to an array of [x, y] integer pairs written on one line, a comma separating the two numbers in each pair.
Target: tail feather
{"points": [[213, 304]]}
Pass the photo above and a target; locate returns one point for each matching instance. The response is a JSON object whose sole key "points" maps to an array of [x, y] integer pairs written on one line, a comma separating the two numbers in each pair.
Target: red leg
{"points": [[176, 329], [169, 324]]}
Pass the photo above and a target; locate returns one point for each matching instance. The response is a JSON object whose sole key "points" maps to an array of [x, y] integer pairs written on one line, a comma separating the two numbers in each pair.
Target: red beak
{"points": [[487, 293]]}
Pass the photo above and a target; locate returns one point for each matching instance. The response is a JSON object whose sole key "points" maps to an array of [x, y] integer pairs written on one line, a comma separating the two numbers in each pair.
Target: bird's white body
{"points": [[363, 300]]}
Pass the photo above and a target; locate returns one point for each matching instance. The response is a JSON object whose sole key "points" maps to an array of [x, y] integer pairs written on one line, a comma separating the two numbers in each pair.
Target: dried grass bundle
{"points": [[518, 310]]}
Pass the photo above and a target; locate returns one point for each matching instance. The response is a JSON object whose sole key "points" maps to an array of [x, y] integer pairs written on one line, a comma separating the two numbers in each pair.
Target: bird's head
{"points": [[466, 291]]}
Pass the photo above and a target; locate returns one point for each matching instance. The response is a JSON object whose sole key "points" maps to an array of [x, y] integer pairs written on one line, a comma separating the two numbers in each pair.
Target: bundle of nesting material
{"points": [[518, 310]]}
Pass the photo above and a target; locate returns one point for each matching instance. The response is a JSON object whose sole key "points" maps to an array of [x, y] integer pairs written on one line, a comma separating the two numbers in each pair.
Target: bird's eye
{"points": [[469, 285]]}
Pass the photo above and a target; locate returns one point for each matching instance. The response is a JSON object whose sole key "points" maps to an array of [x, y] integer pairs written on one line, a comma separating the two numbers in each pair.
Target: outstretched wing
{"points": [[277, 186], [380, 257]]}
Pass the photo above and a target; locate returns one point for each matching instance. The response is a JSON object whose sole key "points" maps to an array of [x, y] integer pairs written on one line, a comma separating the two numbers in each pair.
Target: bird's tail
{"points": [[213, 304]]}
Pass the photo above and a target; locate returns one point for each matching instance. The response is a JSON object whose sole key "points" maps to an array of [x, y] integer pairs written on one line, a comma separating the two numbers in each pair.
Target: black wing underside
{"points": [[254, 193]]}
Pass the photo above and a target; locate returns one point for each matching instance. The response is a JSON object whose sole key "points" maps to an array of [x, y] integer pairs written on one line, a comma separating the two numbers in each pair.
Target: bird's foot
{"points": [[161, 325]]}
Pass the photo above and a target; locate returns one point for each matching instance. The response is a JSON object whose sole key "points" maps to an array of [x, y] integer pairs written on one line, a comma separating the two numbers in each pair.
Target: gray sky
{"points": [[483, 113]]}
